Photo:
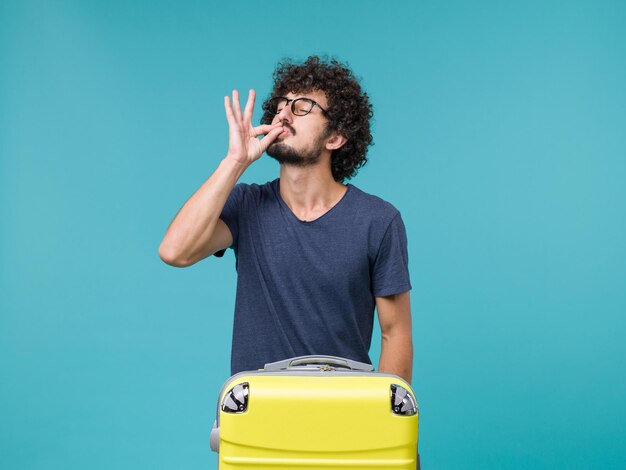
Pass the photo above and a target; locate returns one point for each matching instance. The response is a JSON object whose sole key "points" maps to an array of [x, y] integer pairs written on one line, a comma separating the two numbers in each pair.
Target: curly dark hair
{"points": [[349, 109]]}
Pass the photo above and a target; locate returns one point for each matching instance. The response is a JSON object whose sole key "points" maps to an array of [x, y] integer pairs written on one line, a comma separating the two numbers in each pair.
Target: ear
{"points": [[335, 142]]}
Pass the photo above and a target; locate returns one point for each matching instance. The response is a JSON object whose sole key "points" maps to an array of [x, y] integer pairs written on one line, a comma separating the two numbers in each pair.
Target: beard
{"points": [[289, 156]]}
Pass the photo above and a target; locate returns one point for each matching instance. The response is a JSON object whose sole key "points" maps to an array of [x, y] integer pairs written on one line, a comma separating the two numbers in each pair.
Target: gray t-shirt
{"points": [[310, 287]]}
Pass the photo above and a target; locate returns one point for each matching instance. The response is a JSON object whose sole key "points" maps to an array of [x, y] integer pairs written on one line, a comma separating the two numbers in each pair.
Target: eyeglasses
{"points": [[299, 106]]}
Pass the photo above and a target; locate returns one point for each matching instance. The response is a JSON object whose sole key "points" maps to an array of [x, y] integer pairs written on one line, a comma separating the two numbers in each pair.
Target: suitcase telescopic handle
{"points": [[328, 360]]}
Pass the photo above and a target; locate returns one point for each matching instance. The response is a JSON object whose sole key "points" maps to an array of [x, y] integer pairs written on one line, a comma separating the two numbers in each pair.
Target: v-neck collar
{"points": [[288, 209]]}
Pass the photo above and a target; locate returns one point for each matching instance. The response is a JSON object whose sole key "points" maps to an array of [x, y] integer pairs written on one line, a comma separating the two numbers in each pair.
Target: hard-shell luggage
{"points": [[316, 412]]}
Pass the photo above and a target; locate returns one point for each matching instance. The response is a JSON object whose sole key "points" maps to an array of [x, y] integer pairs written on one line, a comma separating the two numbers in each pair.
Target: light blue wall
{"points": [[499, 134]]}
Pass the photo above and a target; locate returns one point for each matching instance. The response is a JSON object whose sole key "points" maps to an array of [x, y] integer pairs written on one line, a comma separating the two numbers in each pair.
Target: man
{"points": [[314, 256]]}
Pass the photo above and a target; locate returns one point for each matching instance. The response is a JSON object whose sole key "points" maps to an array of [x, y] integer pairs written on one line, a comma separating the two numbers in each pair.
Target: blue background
{"points": [[499, 134]]}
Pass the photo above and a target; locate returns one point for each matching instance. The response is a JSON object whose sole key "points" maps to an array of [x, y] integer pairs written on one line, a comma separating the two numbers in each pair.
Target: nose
{"points": [[285, 113]]}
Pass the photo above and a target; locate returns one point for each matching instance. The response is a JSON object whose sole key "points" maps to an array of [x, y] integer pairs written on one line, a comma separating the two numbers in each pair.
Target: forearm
{"points": [[195, 223], [396, 355]]}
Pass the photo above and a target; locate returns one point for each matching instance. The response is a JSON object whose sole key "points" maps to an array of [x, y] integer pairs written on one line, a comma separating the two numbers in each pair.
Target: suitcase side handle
{"points": [[329, 360]]}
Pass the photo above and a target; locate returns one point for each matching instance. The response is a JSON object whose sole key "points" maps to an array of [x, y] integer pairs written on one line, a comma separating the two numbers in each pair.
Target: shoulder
{"points": [[253, 191], [379, 220], [371, 206]]}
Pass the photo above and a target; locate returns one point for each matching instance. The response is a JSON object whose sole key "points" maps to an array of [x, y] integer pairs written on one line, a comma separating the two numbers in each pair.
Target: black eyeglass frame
{"points": [[293, 105]]}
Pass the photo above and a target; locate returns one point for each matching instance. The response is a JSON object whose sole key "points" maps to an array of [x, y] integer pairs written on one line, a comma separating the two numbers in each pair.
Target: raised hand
{"points": [[243, 145]]}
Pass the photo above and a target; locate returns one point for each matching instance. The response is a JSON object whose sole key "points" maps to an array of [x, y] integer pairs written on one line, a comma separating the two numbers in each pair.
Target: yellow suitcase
{"points": [[316, 412]]}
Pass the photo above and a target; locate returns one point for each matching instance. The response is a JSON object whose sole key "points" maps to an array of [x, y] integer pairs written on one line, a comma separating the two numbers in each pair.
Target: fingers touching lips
{"points": [[287, 130]]}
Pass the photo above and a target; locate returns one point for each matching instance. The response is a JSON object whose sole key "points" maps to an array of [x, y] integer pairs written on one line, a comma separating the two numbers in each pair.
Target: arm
{"points": [[394, 315], [197, 232]]}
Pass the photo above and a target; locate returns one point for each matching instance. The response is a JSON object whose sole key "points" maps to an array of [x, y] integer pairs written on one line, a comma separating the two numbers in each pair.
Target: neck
{"points": [[310, 191]]}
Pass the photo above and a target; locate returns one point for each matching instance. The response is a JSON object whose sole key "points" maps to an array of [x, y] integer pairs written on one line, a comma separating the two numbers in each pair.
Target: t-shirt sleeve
{"points": [[391, 266], [230, 215]]}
